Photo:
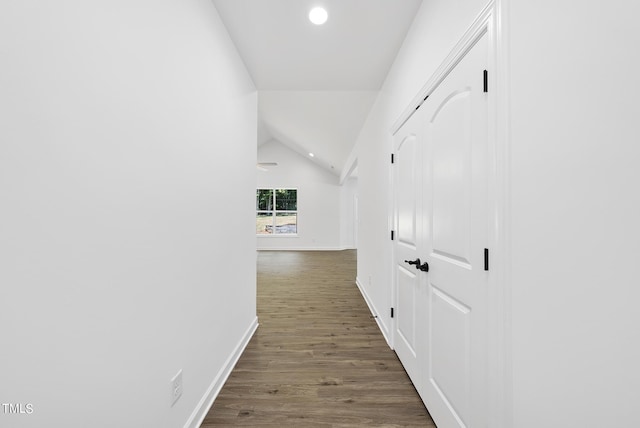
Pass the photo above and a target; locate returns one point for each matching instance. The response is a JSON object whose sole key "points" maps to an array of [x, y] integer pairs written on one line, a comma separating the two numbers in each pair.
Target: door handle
{"points": [[424, 267], [416, 262]]}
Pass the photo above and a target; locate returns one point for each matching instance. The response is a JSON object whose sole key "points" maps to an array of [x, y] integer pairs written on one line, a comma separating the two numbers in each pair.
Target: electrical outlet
{"points": [[175, 387]]}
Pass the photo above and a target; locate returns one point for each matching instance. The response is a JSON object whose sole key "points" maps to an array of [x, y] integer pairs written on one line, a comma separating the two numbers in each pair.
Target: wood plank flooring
{"points": [[318, 358]]}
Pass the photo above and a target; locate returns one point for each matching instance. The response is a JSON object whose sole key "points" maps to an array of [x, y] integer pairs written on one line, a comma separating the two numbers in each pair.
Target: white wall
{"points": [[437, 27], [575, 207], [124, 126], [348, 213], [318, 199]]}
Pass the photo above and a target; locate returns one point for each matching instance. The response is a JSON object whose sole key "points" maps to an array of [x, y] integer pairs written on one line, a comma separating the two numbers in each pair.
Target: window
{"points": [[276, 211]]}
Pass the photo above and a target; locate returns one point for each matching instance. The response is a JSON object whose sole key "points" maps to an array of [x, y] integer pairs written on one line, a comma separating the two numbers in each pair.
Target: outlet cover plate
{"points": [[175, 388]]}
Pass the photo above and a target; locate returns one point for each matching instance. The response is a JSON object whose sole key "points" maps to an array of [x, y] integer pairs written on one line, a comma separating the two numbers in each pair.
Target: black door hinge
{"points": [[486, 81], [486, 259], [393, 158], [391, 312], [422, 102], [393, 234]]}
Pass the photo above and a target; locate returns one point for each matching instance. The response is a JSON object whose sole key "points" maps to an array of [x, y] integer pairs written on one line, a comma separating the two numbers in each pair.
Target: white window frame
{"points": [[275, 213]]}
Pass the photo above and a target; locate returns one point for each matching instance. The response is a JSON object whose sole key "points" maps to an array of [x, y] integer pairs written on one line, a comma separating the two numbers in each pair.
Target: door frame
{"points": [[492, 20]]}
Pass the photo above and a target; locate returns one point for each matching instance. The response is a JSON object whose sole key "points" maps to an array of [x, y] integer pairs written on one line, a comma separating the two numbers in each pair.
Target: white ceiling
{"points": [[317, 83], [324, 123]]}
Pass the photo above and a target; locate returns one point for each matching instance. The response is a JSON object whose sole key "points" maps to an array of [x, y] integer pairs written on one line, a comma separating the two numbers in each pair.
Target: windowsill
{"points": [[279, 235]]}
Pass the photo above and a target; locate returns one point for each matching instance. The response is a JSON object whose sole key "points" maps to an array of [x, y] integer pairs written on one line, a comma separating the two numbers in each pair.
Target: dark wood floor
{"points": [[318, 359]]}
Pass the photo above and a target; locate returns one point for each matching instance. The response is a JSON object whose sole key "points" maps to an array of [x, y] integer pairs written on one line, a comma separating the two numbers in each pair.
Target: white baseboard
{"points": [[374, 312], [210, 396]]}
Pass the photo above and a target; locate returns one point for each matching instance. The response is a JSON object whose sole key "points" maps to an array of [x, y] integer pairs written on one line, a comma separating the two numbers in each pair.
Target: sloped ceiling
{"points": [[317, 83], [325, 123]]}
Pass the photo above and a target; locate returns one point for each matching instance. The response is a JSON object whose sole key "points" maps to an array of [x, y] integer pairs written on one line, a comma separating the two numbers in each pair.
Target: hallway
{"points": [[318, 359]]}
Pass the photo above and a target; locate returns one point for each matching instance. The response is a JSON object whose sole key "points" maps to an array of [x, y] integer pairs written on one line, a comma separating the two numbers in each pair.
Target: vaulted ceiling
{"points": [[317, 83]]}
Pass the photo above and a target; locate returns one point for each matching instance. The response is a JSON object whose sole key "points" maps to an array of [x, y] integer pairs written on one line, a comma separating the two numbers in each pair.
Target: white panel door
{"points": [[456, 215], [409, 299]]}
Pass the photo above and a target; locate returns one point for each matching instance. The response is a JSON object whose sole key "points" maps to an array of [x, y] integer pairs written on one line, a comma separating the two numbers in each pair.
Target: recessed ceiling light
{"points": [[311, 154], [318, 15]]}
